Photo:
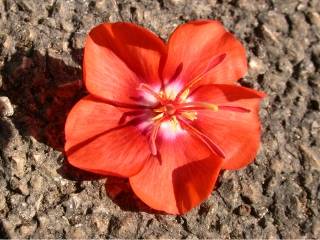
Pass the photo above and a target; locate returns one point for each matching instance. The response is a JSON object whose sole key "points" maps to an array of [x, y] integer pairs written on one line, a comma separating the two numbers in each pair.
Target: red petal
{"points": [[236, 132], [96, 143], [194, 45], [118, 57], [181, 178]]}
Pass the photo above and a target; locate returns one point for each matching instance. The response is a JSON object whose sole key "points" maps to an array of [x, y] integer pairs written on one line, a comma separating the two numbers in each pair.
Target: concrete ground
{"points": [[42, 197]]}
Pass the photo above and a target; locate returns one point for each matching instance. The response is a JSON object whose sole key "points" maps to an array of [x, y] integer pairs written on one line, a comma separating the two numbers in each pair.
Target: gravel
{"points": [[40, 57]]}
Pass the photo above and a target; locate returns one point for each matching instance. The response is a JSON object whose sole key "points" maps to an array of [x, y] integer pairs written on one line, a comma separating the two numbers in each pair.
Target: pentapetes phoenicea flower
{"points": [[168, 116]]}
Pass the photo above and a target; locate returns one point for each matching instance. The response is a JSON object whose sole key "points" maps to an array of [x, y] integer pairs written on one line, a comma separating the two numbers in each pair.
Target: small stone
{"points": [[2, 202], [312, 157], [177, 2], [127, 226], [67, 26], [252, 192], [260, 211], [268, 33], [19, 185], [78, 233], [101, 223], [23, 187], [73, 203], [295, 49], [6, 108], [316, 227], [244, 210], [35, 200], [315, 128], [18, 164], [9, 44], [36, 183], [257, 66], [28, 230], [16, 200], [8, 227], [43, 221], [25, 211], [315, 19], [247, 5]]}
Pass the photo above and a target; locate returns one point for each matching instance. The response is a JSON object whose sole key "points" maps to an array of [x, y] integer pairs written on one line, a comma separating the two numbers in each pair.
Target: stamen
{"points": [[184, 95], [157, 117], [149, 90], [234, 109], [205, 139], [159, 110], [212, 63], [198, 106], [153, 137], [175, 123], [162, 94], [190, 115]]}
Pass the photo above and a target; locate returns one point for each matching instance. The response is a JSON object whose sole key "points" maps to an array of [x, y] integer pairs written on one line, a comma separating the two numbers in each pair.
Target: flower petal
{"points": [[95, 142], [236, 131], [119, 56], [195, 45], [180, 178]]}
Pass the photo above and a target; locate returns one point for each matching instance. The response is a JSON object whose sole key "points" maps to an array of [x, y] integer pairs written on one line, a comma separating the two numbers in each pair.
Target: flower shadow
{"points": [[44, 89], [121, 193]]}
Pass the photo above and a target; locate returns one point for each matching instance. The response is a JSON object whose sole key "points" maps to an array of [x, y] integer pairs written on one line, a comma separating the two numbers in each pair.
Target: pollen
{"points": [[192, 115], [175, 123], [184, 95], [158, 117]]}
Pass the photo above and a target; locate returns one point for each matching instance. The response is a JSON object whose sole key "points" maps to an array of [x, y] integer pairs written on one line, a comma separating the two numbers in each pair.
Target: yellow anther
{"points": [[175, 123], [157, 117], [185, 94], [162, 94], [213, 107], [190, 115], [159, 110], [170, 94]]}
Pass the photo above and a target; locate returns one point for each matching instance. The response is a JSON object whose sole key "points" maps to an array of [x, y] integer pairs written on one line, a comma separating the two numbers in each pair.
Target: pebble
{"points": [[18, 164], [36, 183], [257, 65], [177, 2], [312, 157], [78, 233], [316, 227], [244, 210], [6, 108], [28, 230], [252, 192], [2, 202], [23, 187], [128, 226], [315, 19], [101, 223]]}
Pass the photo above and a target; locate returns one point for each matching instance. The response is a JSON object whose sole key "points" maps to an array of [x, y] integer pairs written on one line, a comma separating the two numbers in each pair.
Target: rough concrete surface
{"points": [[40, 57]]}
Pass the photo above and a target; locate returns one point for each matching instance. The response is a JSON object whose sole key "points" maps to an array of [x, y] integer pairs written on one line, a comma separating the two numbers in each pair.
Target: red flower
{"points": [[167, 116]]}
